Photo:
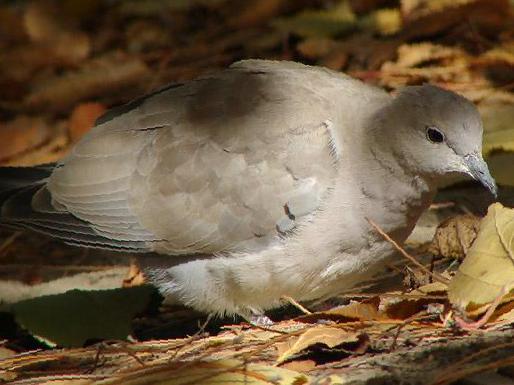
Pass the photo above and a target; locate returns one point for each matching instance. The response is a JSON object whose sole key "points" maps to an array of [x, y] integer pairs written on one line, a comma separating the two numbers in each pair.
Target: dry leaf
{"points": [[413, 55], [315, 23], [325, 335], [429, 17], [498, 64], [226, 372], [106, 74], [44, 25], [408, 304], [384, 21], [355, 311], [299, 366], [489, 265], [83, 119], [49, 151], [135, 276], [454, 236], [21, 135]]}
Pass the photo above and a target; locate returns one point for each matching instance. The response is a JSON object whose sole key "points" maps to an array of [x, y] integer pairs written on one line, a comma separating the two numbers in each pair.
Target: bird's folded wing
{"points": [[226, 162]]}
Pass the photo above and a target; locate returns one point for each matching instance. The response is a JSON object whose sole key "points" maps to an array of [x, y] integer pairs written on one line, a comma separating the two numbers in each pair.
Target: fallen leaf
{"points": [[313, 23], [228, 372], [83, 119], [4, 353], [428, 17], [299, 366], [21, 135], [498, 127], [498, 64], [408, 304], [134, 276], [325, 335], [48, 152], [415, 55], [105, 74], [72, 318], [45, 26], [355, 311], [256, 12], [383, 21], [454, 236], [489, 266], [12, 291]]}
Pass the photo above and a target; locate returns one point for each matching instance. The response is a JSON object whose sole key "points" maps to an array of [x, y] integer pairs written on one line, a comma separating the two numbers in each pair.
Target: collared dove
{"points": [[256, 181]]}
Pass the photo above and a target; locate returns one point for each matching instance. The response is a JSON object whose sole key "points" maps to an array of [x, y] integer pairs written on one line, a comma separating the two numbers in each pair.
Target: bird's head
{"points": [[437, 133]]}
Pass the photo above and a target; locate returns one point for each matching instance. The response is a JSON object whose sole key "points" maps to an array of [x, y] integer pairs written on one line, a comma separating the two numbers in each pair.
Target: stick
{"points": [[436, 276]]}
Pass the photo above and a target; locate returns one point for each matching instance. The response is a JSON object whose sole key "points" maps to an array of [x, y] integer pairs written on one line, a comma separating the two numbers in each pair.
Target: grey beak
{"points": [[479, 171]]}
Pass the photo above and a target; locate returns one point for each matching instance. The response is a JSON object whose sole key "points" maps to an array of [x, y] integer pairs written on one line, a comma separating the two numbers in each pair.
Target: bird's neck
{"points": [[396, 196]]}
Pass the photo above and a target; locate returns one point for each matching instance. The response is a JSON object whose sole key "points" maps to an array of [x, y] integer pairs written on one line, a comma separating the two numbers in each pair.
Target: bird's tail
{"points": [[25, 203], [16, 180]]}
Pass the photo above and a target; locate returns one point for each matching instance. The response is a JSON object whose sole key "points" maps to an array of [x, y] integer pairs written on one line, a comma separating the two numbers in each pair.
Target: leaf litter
{"points": [[63, 63]]}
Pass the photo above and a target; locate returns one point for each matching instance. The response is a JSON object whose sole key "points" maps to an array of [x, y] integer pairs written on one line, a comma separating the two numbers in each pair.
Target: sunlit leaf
{"points": [[489, 266], [325, 23], [325, 335]]}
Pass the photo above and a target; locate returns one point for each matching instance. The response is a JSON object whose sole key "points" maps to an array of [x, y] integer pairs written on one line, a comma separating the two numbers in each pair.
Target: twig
{"points": [[8, 242], [296, 304], [436, 276], [490, 310], [416, 317]]}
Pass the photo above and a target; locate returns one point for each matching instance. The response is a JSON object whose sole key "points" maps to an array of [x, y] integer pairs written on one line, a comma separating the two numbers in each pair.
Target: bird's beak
{"points": [[477, 168]]}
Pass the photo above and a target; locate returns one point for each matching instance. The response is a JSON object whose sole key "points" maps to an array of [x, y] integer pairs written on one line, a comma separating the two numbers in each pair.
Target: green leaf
{"points": [[72, 318]]}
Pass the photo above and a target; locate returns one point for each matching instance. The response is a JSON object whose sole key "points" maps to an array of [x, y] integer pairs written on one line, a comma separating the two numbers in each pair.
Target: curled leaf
{"points": [[325, 335], [488, 269]]}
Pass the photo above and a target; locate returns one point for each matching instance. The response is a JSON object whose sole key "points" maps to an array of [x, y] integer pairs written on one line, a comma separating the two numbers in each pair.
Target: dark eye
{"points": [[434, 135]]}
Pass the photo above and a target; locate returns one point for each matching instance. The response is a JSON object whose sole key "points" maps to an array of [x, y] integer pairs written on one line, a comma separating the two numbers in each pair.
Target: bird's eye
{"points": [[434, 135]]}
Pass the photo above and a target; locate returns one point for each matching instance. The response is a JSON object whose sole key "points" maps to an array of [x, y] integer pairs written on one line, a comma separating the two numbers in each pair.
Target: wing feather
{"points": [[205, 167]]}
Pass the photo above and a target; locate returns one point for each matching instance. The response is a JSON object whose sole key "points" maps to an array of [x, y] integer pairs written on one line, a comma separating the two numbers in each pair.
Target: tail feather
{"points": [[25, 203]]}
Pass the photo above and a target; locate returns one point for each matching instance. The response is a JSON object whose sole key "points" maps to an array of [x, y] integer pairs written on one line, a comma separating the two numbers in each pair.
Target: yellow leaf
{"points": [[489, 266], [320, 23], [325, 335], [384, 21], [217, 373], [499, 132]]}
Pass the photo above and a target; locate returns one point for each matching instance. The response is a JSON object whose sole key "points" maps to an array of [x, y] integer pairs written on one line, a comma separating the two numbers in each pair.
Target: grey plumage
{"points": [[268, 170]]}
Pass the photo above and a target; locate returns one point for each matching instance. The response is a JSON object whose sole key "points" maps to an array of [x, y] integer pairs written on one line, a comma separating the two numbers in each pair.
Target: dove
{"points": [[255, 182]]}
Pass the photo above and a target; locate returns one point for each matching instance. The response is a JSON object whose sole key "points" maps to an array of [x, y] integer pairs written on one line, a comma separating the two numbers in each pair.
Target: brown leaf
{"points": [[408, 304], [356, 311], [50, 151], [83, 119], [45, 26], [498, 64], [300, 366], [21, 135], [256, 12], [454, 236], [325, 335], [11, 27], [135, 276], [428, 17], [97, 77]]}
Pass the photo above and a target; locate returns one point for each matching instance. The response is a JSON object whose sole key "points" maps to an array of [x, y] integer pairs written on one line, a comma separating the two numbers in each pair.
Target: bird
{"points": [[254, 182]]}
